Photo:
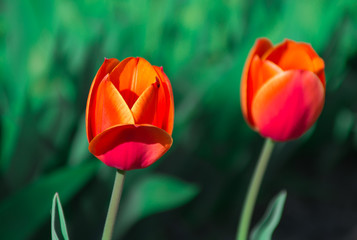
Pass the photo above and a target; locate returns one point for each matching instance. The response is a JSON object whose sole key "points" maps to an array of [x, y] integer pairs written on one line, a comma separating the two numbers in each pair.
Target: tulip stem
{"points": [[253, 190], [113, 205]]}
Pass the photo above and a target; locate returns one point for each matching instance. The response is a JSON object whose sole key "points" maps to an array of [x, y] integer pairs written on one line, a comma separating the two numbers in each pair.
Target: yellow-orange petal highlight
{"points": [[129, 114], [107, 66], [132, 76], [282, 89], [111, 108], [145, 108]]}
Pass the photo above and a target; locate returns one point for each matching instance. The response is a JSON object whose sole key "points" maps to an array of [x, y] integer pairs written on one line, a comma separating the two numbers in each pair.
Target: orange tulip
{"points": [[129, 114], [282, 89]]}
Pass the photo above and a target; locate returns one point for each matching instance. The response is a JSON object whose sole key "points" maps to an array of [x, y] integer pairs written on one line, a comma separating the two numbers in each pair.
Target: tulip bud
{"points": [[282, 89], [129, 114]]}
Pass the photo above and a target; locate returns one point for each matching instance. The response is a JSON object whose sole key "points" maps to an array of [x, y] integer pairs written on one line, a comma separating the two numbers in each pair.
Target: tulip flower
{"points": [[129, 114], [282, 89]]}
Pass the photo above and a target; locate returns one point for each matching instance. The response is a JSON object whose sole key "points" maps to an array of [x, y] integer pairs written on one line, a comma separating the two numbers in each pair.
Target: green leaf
{"points": [[26, 210], [56, 201], [150, 195], [265, 228]]}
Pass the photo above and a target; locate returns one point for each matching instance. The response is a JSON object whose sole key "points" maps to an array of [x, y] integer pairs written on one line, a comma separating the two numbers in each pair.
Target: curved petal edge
{"points": [[288, 105], [261, 46], [107, 66], [130, 146]]}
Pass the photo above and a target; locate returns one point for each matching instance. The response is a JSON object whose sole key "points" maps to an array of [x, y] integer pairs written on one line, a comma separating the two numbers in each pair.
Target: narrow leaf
{"points": [[265, 228], [56, 201], [53, 216]]}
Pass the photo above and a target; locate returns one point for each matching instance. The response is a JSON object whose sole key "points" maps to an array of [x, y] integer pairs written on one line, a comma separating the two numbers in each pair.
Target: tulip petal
{"points": [[122, 78], [106, 67], [288, 105], [165, 102], [131, 77], [128, 147], [319, 69], [318, 64], [261, 71], [291, 55], [111, 108], [246, 92], [144, 109]]}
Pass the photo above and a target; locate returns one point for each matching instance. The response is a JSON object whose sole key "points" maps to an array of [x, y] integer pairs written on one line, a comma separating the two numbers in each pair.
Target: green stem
{"points": [[113, 205], [254, 189]]}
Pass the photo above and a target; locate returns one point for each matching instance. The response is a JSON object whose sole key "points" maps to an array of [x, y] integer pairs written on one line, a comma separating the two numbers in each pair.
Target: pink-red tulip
{"points": [[129, 114], [282, 89]]}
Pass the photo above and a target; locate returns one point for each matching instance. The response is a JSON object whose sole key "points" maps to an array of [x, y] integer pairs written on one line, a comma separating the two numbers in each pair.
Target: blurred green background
{"points": [[49, 54]]}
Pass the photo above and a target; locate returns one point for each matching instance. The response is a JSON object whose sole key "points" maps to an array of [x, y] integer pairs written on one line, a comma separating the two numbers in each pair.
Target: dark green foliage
{"points": [[49, 54]]}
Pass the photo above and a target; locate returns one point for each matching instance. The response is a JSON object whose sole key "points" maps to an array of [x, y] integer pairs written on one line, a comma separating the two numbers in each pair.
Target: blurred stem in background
{"points": [[253, 190], [113, 205]]}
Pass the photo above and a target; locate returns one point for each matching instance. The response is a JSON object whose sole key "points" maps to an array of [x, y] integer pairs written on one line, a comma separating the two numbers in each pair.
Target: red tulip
{"points": [[282, 89], [129, 114]]}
